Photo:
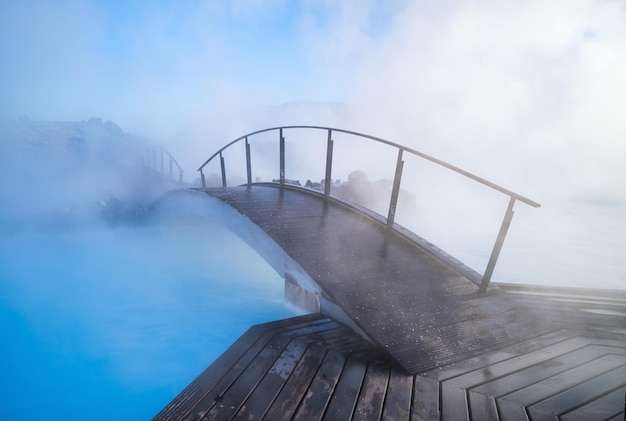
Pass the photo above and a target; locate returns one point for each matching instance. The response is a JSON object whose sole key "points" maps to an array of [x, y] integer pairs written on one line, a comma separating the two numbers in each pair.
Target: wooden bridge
{"points": [[398, 329]]}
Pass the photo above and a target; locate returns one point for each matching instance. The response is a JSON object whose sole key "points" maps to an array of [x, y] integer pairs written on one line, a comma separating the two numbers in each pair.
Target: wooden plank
{"points": [[454, 397], [297, 384], [578, 395], [399, 394], [441, 345], [497, 370], [314, 404], [462, 332], [313, 328], [229, 399], [454, 403], [373, 390], [484, 408], [533, 374], [511, 411], [425, 401], [551, 386], [604, 408], [244, 349], [264, 393], [343, 400], [184, 402]]}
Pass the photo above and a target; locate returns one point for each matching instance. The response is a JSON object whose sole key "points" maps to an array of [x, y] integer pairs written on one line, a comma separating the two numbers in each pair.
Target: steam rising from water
{"points": [[527, 95], [128, 316]]}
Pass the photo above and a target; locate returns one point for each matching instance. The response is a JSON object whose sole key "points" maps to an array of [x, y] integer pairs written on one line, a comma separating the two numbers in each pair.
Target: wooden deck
{"points": [[313, 368], [439, 350]]}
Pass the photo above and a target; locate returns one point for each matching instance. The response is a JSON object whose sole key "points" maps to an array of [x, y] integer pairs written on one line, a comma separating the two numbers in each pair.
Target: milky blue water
{"points": [[102, 324]]}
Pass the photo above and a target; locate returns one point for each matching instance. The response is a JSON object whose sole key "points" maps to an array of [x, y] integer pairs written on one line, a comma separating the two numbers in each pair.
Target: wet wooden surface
{"points": [[314, 368], [412, 305], [441, 351]]}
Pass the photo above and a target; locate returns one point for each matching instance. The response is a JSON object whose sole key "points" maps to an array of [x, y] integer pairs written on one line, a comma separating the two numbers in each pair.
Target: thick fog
{"points": [[525, 95]]}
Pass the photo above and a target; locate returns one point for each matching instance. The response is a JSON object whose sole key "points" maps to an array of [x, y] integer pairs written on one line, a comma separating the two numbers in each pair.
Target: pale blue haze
{"points": [[103, 324]]}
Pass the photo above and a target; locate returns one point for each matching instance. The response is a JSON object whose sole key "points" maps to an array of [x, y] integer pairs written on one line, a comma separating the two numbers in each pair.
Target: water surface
{"points": [[101, 323]]}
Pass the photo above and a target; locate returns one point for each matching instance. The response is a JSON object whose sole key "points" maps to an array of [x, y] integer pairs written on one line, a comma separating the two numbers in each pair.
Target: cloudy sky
{"points": [[537, 83]]}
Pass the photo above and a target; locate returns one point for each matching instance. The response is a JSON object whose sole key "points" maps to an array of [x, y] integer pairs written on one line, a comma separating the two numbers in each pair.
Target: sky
{"points": [[536, 80], [137, 62], [530, 95]]}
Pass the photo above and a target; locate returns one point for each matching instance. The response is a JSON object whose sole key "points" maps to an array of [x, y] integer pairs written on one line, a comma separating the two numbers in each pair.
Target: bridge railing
{"points": [[326, 186], [159, 160]]}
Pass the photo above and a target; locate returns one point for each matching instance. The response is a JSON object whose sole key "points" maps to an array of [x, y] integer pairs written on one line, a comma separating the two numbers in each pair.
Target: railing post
{"points": [[161, 160], [170, 166], [329, 164], [506, 222], [391, 216], [180, 176], [202, 177], [248, 162], [223, 170], [282, 157]]}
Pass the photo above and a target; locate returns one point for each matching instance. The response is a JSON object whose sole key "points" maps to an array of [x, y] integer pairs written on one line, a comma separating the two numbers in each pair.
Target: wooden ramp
{"points": [[418, 309], [313, 368]]}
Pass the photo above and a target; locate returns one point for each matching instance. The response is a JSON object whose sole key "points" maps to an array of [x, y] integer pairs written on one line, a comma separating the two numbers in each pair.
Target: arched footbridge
{"points": [[397, 328]]}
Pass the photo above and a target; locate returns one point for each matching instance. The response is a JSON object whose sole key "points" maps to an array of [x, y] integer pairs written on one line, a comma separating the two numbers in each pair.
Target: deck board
{"points": [[398, 396], [344, 398], [313, 405], [581, 393], [314, 368], [605, 407], [373, 390], [273, 381], [286, 403]]}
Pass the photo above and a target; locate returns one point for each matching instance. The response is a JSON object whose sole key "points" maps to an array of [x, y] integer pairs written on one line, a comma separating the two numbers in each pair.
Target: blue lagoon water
{"points": [[101, 323]]}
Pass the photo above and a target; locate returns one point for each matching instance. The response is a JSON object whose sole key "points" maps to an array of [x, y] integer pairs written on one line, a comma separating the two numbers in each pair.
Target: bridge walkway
{"points": [[419, 310]]}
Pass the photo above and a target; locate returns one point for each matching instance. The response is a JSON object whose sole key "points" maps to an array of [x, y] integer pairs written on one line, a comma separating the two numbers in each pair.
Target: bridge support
{"points": [[223, 166], [393, 203], [506, 222], [248, 163], [282, 158], [329, 164]]}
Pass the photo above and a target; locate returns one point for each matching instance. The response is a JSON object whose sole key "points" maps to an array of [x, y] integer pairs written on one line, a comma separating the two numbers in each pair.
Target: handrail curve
{"points": [[150, 161], [513, 197]]}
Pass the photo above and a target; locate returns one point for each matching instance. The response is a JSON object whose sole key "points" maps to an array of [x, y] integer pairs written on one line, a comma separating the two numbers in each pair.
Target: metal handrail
{"points": [[513, 197], [151, 162]]}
